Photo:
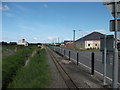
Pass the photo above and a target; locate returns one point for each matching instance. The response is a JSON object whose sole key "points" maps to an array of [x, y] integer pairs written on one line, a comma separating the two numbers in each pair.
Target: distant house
{"points": [[57, 44], [91, 40], [22, 42], [68, 44]]}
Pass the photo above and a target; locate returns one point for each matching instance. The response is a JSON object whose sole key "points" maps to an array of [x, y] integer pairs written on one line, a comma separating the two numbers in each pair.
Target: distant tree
{"points": [[39, 44], [13, 43], [35, 44], [4, 43]]}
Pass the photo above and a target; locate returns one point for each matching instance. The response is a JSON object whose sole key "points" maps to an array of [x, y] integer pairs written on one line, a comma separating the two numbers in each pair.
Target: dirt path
{"points": [[27, 61]]}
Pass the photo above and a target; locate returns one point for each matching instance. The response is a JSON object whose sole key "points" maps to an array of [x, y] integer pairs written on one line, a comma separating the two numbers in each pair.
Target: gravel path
{"points": [[57, 81]]}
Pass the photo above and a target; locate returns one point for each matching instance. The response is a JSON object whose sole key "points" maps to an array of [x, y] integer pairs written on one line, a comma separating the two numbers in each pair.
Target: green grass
{"points": [[13, 63], [35, 75], [7, 50]]}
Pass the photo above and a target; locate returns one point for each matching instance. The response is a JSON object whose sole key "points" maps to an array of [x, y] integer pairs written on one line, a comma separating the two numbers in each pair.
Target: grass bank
{"points": [[12, 63], [7, 50], [35, 75]]}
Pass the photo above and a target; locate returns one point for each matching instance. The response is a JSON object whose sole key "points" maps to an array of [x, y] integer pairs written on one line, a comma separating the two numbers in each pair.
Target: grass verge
{"points": [[35, 75], [13, 63]]}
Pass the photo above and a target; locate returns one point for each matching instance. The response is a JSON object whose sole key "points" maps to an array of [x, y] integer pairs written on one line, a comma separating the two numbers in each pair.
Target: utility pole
{"points": [[58, 39], [114, 7], [104, 65], [115, 60], [73, 35]]}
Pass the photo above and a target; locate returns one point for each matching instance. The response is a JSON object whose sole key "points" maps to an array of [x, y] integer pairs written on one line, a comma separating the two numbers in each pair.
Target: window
{"points": [[95, 44], [88, 44]]}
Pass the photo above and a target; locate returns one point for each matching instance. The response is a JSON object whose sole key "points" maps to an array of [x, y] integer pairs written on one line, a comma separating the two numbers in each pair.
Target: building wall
{"points": [[87, 44], [80, 44], [92, 44], [20, 42], [69, 45]]}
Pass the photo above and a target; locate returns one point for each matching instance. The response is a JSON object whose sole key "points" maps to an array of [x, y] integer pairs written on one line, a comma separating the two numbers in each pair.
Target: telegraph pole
{"points": [[115, 60], [73, 35], [58, 39], [114, 7], [104, 72]]}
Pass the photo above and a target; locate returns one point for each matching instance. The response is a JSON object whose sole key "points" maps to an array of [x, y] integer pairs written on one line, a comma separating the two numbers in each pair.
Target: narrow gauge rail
{"points": [[68, 81]]}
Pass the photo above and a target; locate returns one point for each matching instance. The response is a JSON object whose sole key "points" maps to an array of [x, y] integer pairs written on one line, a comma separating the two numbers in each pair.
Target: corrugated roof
{"points": [[92, 36]]}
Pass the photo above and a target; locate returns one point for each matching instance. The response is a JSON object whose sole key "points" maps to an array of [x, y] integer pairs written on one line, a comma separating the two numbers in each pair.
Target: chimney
{"points": [[23, 40]]}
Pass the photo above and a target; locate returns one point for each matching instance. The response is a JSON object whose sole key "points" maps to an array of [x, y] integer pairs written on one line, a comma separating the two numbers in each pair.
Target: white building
{"points": [[91, 40], [22, 42]]}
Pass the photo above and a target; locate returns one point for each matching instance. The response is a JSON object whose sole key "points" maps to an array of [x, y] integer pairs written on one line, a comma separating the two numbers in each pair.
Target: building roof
{"points": [[92, 36]]}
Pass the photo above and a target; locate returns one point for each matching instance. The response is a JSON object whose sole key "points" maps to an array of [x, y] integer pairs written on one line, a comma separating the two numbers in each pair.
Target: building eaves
{"points": [[92, 36]]}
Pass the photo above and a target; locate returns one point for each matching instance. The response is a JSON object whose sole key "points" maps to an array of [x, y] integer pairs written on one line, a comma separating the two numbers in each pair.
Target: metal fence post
{"points": [[77, 58], [92, 63], [64, 53], [69, 55], [60, 50]]}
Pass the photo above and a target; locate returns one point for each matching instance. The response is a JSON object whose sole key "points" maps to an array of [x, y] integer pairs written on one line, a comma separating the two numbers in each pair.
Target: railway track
{"points": [[67, 79]]}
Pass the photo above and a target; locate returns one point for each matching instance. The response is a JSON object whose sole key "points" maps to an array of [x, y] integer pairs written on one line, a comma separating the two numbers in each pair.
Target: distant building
{"points": [[68, 44], [91, 40], [22, 42]]}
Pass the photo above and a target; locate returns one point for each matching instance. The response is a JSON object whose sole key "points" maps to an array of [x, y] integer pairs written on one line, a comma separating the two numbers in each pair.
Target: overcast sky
{"points": [[48, 21]]}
